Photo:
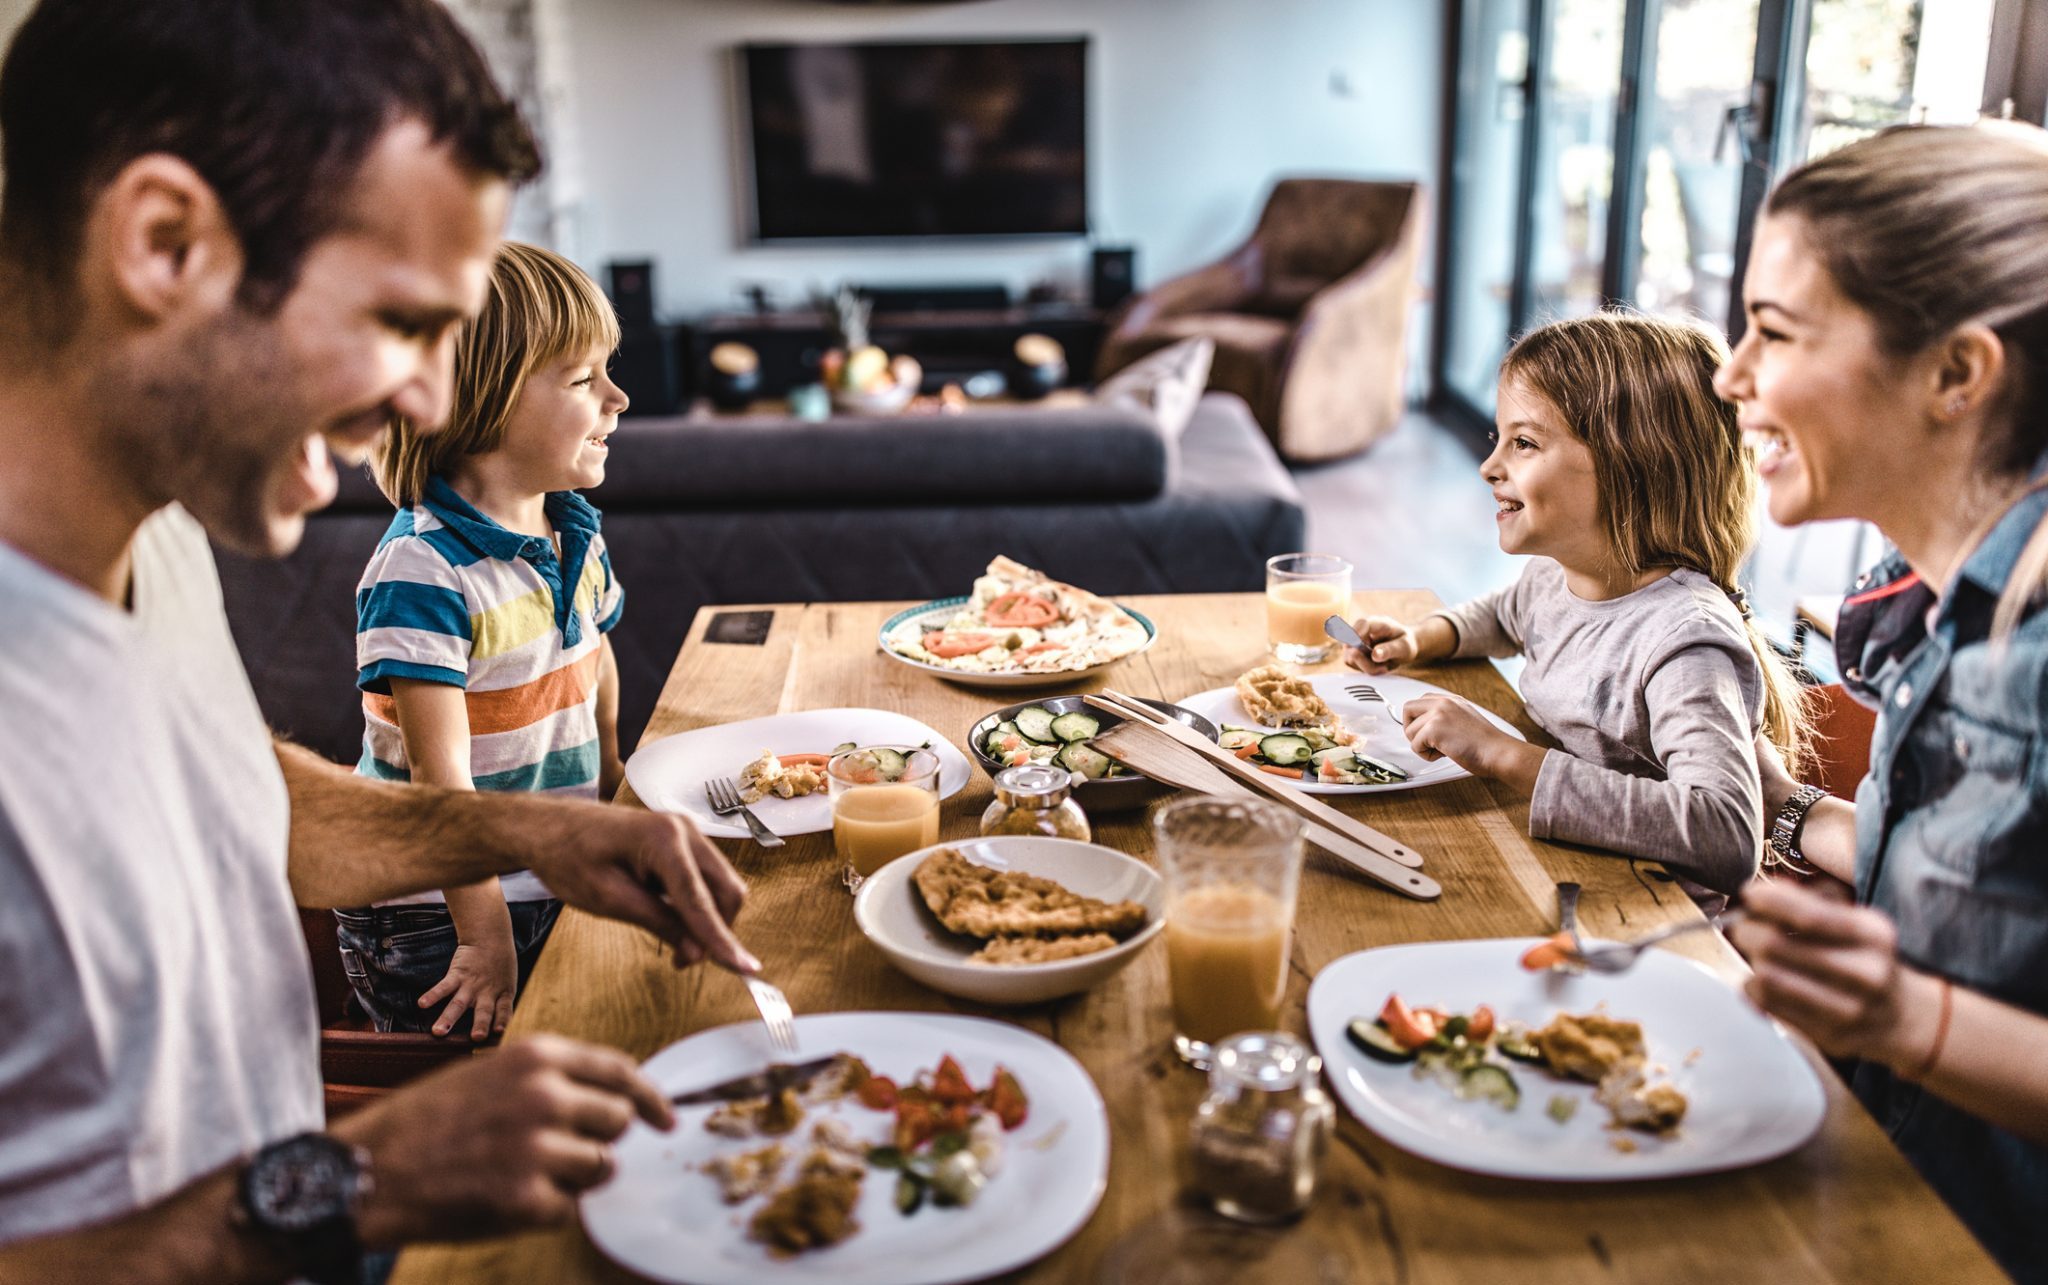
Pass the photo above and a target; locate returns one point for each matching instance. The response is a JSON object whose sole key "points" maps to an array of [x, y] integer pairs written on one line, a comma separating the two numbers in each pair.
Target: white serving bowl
{"points": [[895, 918]]}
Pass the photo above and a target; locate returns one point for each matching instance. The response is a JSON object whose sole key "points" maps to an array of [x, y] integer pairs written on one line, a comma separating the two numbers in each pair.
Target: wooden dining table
{"points": [[1845, 1207]]}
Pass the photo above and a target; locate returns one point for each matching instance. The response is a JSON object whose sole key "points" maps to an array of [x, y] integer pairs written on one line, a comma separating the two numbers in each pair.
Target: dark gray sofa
{"points": [[701, 512]]}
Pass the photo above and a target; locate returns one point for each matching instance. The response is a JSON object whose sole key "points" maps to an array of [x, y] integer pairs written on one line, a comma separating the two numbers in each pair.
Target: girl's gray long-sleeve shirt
{"points": [[1655, 699]]}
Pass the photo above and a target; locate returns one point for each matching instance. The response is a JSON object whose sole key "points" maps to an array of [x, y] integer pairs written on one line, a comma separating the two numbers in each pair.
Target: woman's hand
{"points": [[1389, 644], [1833, 971], [482, 979], [1441, 726]]}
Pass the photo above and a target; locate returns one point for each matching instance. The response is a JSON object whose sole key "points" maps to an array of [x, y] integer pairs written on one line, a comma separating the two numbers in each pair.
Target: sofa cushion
{"points": [[985, 453], [1165, 384]]}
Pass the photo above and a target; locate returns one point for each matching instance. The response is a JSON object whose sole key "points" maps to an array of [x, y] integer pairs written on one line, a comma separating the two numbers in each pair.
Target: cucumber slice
{"points": [[1285, 749], [1490, 1083], [1036, 724], [1092, 764], [1076, 726], [1236, 738], [1516, 1044], [1367, 763], [844, 746], [889, 764], [1377, 1042], [1318, 738]]}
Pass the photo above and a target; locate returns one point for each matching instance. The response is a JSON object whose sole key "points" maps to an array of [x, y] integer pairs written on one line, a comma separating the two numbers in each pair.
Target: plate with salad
{"points": [[1452, 1051], [779, 763], [1324, 738], [962, 1149]]}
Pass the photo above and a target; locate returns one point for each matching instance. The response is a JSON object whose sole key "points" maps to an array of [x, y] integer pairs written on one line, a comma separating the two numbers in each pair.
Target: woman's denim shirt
{"points": [[1952, 843]]}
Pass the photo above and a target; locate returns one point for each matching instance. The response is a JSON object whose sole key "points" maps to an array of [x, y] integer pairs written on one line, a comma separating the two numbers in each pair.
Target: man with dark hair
{"points": [[236, 237]]}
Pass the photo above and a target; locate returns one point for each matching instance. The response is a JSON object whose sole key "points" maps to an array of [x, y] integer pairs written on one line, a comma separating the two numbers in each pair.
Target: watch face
{"points": [[302, 1182]]}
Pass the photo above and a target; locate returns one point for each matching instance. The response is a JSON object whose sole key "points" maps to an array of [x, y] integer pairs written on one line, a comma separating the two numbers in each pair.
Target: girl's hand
{"points": [[1441, 726], [482, 978], [1388, 645], [1833, 971]]}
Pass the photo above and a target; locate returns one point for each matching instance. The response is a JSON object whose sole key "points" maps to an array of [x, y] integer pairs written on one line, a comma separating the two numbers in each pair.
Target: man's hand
{"points": [[503, 1141], [481, 980], [1833, 971], [1389, 644], [647, 868]]}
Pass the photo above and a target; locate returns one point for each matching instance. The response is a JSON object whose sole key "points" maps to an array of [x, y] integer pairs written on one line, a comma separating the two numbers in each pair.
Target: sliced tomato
{"points": [[947, 645], [1480, 1024], [1292, 773], [1020, 609], [1549, 953], [1037, 647], [949, 1083], [800, 760], [1411, 1030], [1006, 1099], [916, 1122], [878, 1093]]}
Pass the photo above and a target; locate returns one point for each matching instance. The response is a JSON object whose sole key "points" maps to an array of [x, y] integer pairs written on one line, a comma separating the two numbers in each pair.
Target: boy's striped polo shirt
{"points": [[452, 597]]}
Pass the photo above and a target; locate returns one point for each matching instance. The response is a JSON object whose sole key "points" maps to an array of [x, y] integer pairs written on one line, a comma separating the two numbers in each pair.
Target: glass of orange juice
{"points": [[1231, 866], [1302, 591], [885, 802]]}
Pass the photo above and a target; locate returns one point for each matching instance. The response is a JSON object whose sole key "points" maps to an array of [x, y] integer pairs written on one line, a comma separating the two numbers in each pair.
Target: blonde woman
{"points": [[1895, 369], [1617, 466], [480, 631]]}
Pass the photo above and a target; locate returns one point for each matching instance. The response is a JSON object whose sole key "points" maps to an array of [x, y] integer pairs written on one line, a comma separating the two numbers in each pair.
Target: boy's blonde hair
{"points": [[1928, 228], [540, 308], [1677, 488]]}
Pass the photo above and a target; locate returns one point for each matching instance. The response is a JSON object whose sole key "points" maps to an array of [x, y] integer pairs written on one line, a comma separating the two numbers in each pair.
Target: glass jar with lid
{"points": [[1036, 798], [1258, 1139]]}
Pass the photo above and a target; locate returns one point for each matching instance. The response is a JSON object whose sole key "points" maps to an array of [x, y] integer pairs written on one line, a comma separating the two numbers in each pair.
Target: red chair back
{"points": [[1842, 729]]}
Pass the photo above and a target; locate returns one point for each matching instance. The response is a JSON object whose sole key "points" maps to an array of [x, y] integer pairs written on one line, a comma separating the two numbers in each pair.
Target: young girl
{"points": [[1618, 467], [480, 631]]}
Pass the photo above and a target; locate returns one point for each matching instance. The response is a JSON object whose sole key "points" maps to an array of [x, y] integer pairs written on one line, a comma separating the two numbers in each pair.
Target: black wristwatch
{"points": [[300, 1196], [1785, 827]]}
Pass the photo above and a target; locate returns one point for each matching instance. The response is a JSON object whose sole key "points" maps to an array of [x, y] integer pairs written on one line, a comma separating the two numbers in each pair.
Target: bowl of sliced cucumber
{"points": [[1056, 730]]}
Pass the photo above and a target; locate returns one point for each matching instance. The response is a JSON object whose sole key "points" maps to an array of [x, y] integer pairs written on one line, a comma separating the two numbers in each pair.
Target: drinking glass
{"points": [[1302, 591], [877, 815], [1232, 867]]}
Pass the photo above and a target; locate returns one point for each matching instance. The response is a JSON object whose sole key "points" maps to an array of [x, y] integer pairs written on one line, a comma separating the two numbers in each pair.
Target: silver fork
{"points": [[1370, 694], [724, 795], [776, 1013], [1617, 958]]}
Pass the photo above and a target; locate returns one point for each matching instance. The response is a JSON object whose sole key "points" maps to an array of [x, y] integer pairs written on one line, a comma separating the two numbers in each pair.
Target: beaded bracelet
{"points": [[1948, 997]]}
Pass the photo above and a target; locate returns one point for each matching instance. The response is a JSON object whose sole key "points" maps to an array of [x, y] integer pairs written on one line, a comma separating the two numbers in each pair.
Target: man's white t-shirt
{"points": [[157, 1016]]}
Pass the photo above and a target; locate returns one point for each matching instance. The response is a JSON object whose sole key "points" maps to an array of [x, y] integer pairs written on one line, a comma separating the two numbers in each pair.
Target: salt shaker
{"points": [[1035, 798], [1258, 1138]]}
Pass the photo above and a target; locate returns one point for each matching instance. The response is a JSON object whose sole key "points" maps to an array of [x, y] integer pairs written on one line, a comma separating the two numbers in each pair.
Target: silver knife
{"points": [[777, 1076]]}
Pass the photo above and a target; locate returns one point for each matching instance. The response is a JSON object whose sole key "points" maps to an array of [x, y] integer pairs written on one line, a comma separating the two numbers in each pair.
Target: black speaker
{"points": [[632, 291], [645, 367], [1113, 276]]}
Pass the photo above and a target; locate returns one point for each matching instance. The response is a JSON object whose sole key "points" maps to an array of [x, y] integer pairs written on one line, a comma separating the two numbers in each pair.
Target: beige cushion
{"points": [[1166, 385]]}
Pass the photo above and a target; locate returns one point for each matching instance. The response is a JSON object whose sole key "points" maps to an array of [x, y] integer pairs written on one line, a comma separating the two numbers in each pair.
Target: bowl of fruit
{"points": [[863, 379]]}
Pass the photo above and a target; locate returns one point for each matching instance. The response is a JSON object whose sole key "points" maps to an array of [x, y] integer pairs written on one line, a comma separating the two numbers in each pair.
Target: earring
{"points": [[1957, 404]]}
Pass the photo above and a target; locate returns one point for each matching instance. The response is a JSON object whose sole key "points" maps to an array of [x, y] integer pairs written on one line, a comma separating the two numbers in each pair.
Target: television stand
{"points": [[950, 344]]}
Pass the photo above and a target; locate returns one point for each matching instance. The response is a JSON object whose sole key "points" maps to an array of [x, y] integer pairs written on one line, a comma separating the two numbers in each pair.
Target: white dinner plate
{"points": [[661, 1216], [938, 611], [1379, 735], [669, 775], [1752, 1095]]}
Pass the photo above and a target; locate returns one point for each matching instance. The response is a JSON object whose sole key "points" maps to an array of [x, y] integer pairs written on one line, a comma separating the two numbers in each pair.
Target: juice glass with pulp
{"points": [[885, 802], [1302, 591], [1232, 867]]}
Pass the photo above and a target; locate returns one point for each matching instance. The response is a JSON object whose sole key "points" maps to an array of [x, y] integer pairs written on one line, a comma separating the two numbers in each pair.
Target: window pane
{"points": [[1692, 179], [1874, 63], [1575, 159], [1486, 166]]}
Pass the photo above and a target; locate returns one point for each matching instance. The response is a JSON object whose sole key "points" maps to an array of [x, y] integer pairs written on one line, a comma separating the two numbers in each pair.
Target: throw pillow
{"points": [[1165, 384]]}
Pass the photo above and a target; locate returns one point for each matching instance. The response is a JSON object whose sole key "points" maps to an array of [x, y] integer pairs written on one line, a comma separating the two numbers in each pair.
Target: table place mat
{"points": [[747, 628]]}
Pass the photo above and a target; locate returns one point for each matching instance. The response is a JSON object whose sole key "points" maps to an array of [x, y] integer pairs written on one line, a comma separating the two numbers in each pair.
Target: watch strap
{"points": [[1787, 824]]}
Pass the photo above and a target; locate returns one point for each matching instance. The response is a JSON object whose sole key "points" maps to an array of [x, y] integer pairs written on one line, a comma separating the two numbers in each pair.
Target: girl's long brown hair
{"points": [[1677, 487]]}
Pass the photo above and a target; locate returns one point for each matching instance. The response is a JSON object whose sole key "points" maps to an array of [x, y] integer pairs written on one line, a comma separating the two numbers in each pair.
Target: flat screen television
{"points": [[960, 139]]}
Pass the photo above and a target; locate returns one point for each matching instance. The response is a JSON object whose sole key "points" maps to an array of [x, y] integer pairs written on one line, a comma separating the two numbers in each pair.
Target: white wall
{"points": [[1195, 106]]}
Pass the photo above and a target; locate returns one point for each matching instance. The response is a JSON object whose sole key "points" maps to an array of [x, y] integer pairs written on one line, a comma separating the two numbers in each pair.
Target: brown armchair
{"points": [[1310, 315]]}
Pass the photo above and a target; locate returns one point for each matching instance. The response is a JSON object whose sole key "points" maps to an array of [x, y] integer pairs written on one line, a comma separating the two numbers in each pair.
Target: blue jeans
{"points": [[395, 954]]}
